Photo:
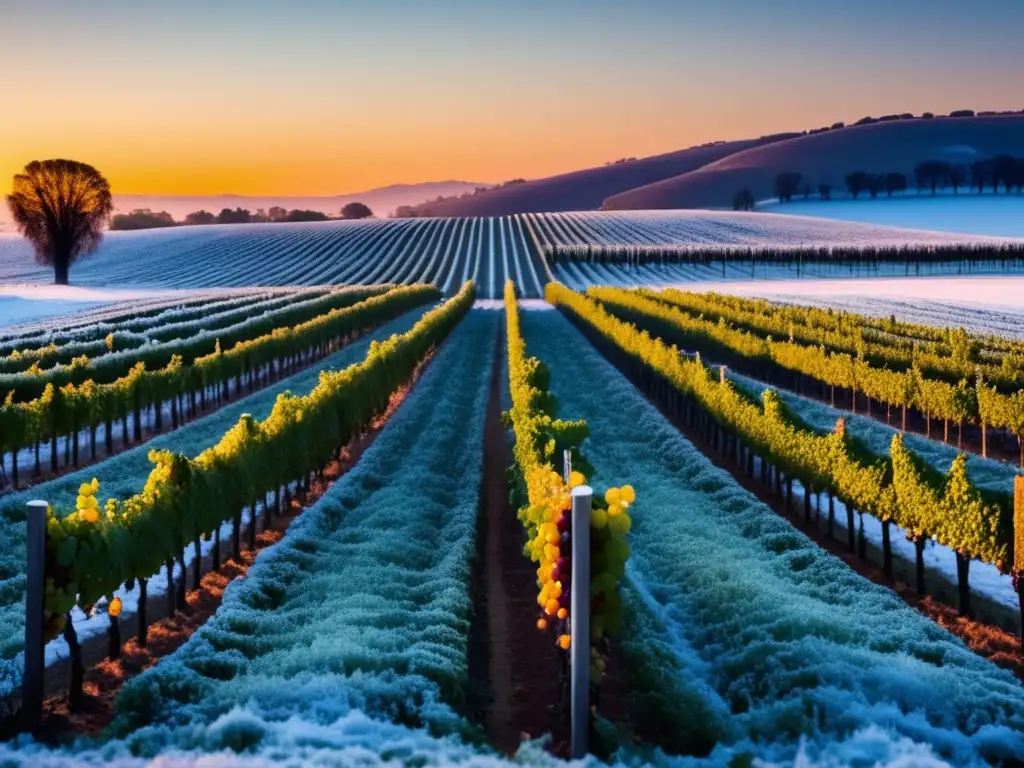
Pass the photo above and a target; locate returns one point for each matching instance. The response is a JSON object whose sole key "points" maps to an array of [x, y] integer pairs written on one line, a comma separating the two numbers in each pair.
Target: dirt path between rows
{"points": [[521, 662], [523, 665]]}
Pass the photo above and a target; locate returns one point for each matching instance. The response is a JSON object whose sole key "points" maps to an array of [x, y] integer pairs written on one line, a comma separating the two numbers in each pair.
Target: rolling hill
{"points": [[586, 189], [829, 156]]}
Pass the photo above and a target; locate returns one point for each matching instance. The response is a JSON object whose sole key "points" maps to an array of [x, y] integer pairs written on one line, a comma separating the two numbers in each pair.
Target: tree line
{"points": [[144, 218], [1004, 171], [869, 120]]}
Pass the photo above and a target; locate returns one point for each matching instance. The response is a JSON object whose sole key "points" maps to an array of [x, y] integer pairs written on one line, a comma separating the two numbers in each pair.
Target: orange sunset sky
{"points": [[320, 98]]}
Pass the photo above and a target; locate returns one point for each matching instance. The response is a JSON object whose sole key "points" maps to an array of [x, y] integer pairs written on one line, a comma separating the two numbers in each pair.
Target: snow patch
{"points": [[965, 213]]}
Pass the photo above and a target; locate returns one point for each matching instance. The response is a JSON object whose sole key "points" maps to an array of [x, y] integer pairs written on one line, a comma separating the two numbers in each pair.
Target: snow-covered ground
{"points": [[784, 227], [967, 213], [446, 252], [443, 251], [983, 304], [500, 304], [21, 303]]}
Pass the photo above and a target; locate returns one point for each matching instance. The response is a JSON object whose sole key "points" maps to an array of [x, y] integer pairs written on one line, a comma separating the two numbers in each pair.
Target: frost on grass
{"points": [[243, 738], [125, 474], [446, 252], [795, 643], [356, 740], [704, 228], [364, 605], [979, 304]]}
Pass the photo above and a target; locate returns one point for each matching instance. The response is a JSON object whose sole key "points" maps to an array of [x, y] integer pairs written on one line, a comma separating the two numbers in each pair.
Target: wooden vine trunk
{"points": [[76, 694], [197, 562], [236, 537], [114, 638], [181, 592], [963, 570], [252, 526], [215, 550], [171, 604], [143, 625], [1018, 544]]}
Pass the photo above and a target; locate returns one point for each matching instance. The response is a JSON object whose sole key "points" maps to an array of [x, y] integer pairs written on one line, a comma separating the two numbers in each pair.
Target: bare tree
{"points": [[743, 201], [1015, 175], [876, 183], [957, 177], [979, 174], [933, 174], [787, 184], [825, 190], [894, 182], [61, 207], [857, 182], [1002, 172]]}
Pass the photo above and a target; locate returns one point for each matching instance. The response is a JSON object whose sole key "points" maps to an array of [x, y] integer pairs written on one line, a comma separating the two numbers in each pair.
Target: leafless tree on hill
{"points": [[61, 207]]}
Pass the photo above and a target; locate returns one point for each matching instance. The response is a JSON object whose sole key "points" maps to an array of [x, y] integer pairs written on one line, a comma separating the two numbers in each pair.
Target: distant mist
{"points": [[383, 201]]}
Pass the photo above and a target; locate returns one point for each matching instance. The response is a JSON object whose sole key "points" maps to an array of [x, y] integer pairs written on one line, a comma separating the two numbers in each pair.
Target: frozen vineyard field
{"points": [[447, 252], [981, 304], [966, 212]]}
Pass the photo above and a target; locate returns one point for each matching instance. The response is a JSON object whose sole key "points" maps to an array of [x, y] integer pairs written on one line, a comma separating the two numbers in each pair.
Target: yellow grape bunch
{"points": [[64, 540], [86, 505], [551, 549], [548, 518]]}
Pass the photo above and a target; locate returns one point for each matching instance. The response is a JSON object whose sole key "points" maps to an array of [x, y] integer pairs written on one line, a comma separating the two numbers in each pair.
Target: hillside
{"points": [[829, 156], [586, 189]]}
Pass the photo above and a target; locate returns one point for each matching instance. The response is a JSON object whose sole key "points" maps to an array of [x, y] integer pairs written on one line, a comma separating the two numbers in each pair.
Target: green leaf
{"points": [[66, 551]]}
